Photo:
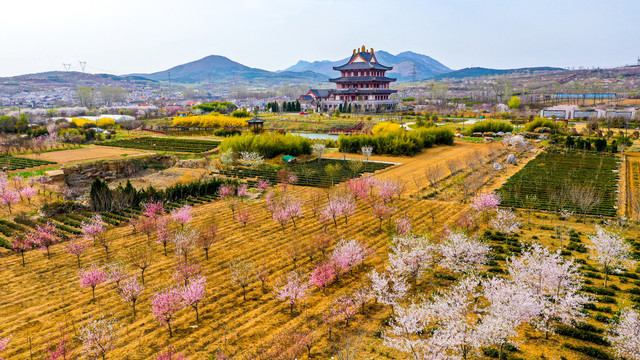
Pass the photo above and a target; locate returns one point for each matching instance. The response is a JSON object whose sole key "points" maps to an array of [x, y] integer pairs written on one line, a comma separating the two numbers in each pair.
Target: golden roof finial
{"points": [[354, 51], [363, 49], [372, 50]]}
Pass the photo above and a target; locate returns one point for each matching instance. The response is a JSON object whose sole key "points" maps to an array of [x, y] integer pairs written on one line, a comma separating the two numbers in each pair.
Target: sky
{"points": [[140, 36]]}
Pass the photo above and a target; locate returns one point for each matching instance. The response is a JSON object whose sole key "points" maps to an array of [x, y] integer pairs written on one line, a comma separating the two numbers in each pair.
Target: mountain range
{"points": [[407, 66], [219, 69], [480, 71]]}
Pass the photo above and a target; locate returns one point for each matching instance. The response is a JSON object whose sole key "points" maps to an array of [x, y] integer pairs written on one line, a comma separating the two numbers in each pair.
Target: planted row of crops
{"points": [[8, 163], [165, 144], [553, 177], [311, 173]]}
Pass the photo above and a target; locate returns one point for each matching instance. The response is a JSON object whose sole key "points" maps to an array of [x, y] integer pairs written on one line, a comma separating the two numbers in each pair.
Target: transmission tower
{"points": [[83, 64], [413, 72], [67, 67]]}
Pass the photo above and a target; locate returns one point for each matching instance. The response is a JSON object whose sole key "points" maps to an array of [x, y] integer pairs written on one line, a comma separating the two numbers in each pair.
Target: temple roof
{"points": [[362, 60], [362, 78], [319, 92]]}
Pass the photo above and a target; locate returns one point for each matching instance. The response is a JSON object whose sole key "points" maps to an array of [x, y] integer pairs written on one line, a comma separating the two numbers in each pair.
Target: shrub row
{"points": [[268, 145], [397, 143]]}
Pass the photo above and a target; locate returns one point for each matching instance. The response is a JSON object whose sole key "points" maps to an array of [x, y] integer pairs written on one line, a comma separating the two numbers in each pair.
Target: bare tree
{"points": [[453, 165], [433, 175], [584, 197]]}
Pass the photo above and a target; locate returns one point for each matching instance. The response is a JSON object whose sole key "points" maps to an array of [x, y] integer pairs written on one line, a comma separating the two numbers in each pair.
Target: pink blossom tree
{"points": [[92, 277], [322, 275], [98, 338], [207, 237], [403, 225], [94, 229], [185, 271], [153, 209], [293, 209], [344, 307], [60, 347], [243, 190], [625, 335], [361, 296], [194, 292], [182, 215], [389, 189], [322, 242], [163, 232], [485, 203], [141, 256], [242, 275], [130, 290], [292, 288], [411, 255], [244, 216], [44, 237], [262, 185], [226, 191], [146, 225], [21, 244], [554, 281], [348, 254], [165, 305], [381, 211], [9, 198], [610, 251], [358, 187], [28, 193], [339, 205], [76, 247], [461, 253]]}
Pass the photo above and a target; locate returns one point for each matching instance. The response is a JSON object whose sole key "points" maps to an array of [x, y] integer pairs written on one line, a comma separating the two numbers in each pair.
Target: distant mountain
{"points": [[219, 69], [480, 71], [407, 66], [66, 80]]}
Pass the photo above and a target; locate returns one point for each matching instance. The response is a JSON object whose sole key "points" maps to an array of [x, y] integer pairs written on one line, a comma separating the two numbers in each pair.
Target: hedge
{"points": [[268, 145], [397, 143]]}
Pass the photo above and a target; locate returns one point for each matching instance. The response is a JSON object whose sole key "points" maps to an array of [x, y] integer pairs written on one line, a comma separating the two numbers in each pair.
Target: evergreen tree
{"points": [[297, 106], [340, 108], [100, 195], [349, 109]]}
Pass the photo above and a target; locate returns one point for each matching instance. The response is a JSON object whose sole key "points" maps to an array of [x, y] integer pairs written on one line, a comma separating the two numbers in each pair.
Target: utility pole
{"points": [[67, 67]]}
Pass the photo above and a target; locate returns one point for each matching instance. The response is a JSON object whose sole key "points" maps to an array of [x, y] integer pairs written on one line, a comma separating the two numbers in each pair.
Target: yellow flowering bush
{"points": [[212, 120]]}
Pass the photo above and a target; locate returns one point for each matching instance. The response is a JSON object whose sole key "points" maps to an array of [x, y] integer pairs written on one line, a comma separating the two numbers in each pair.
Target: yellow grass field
{"points": [[90, 153]]}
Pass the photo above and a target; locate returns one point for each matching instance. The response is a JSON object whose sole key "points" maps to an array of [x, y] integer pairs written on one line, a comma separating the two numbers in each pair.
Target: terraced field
{"points": [[309, 173], [9, 163], [230, 324], [165, 144], [633, 186], [556, 174]]}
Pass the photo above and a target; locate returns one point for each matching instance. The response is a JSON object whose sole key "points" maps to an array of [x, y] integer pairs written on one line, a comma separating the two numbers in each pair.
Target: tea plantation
{"points": [[165, 144], [552, 175]]}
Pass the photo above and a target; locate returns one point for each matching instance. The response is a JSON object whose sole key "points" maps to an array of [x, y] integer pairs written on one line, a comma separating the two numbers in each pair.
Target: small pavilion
{"points": [[256, 123]]}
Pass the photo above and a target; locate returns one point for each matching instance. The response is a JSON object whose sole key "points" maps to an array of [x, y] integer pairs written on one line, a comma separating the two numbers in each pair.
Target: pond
{"points": [[317, 136]]}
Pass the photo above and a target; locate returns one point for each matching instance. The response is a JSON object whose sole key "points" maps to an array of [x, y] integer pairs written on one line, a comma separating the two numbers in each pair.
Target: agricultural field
{"points": [[311, 173], [165, 144], [565, 181], [90, 153], [10, 163], [632, 190]]}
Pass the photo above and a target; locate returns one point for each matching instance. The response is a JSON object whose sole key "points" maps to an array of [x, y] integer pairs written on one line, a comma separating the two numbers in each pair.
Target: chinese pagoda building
{"points": [[362, 84]]}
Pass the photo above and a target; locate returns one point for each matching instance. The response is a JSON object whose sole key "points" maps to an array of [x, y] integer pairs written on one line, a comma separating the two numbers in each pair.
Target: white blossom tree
{"points": [[318, 149], [510, 306], [446, 327], [610, 250], [388, 288], [554, 281], [461, 253], [505, 222], [625, 337], [411, 255]]}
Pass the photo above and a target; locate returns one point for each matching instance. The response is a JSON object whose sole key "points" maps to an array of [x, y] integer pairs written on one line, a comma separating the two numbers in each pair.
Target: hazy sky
{"points": [[126, 36]]}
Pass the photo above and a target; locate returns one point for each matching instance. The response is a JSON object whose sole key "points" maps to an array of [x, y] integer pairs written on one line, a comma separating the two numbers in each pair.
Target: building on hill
{"points": [[362, 86]]}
